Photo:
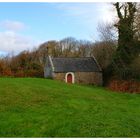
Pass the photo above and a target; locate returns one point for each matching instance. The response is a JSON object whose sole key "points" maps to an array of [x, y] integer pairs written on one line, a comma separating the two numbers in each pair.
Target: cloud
{"points": [[107, 12], [13, 25], [14, 42], [89, 13]]}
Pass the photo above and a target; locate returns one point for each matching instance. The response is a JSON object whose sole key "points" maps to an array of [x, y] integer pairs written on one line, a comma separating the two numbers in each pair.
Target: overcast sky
{"points": [[26, 25]]}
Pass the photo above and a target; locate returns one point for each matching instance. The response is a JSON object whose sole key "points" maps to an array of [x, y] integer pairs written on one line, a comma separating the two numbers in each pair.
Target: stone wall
{"points": [[48, 69], [83, 77], [59, 76], [88, 78]]}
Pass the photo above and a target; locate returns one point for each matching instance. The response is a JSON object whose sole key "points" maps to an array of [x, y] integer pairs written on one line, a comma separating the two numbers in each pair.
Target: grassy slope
{"points": [[44, 108]]}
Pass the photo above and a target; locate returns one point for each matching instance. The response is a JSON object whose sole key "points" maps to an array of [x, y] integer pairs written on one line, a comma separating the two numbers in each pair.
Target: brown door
{"points": [[69, 78]]}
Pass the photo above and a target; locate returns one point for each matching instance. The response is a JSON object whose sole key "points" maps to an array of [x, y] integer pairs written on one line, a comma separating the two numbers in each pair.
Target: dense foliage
{"points": [[125, 63]]}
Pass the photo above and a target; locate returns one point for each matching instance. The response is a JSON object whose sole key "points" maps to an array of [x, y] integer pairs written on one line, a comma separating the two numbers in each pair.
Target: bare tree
{"points": [[103, 52], [107, 32]]}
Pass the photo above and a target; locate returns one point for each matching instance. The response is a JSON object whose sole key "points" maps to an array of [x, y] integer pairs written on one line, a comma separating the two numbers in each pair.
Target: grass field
{"points": [[31, 107]]}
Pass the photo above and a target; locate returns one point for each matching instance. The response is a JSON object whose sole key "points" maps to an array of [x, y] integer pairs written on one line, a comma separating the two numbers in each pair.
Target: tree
{"points": [[45, 49], [68, 46], [107, 32], [126, 42], [103, 51], [128, 45]]}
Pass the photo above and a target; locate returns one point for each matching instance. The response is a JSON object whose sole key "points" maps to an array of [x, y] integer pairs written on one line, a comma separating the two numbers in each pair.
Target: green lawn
{"points": [[31, 107]]}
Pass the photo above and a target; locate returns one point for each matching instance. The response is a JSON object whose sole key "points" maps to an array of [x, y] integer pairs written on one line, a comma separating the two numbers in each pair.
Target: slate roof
{"points": [[83, 64]]}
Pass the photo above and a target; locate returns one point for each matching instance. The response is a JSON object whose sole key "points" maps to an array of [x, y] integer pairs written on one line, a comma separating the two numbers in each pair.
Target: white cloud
{"points": [[107, 12], [13, 42], [89, 13], [13, 25]]}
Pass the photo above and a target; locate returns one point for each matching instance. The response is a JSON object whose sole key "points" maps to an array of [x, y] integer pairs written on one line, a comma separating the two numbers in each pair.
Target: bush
{"points": [[19, 74], [34, 73], [130, 86]]}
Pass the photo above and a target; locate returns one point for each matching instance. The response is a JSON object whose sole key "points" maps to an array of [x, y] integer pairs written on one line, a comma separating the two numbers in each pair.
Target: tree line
{"points": [[117, 51], [31, 63]]}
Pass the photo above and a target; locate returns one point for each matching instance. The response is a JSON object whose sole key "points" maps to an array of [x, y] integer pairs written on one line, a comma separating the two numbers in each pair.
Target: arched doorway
{"points": [[69, 77]]}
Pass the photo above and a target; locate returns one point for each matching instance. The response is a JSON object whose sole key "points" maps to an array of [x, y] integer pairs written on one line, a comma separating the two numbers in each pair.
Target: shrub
{"points": [[130, 86]]}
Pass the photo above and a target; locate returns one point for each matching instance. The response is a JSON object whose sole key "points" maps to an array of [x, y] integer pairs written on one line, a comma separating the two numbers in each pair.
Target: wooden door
{"points": [[69, 78]]}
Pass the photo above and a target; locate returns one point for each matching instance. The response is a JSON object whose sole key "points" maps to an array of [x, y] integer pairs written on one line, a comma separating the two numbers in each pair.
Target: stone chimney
{"points": [[49, 51]]}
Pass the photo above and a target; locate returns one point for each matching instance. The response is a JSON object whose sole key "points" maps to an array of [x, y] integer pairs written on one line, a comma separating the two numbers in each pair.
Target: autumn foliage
{"points": [[124, 86], [24, 64]]}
